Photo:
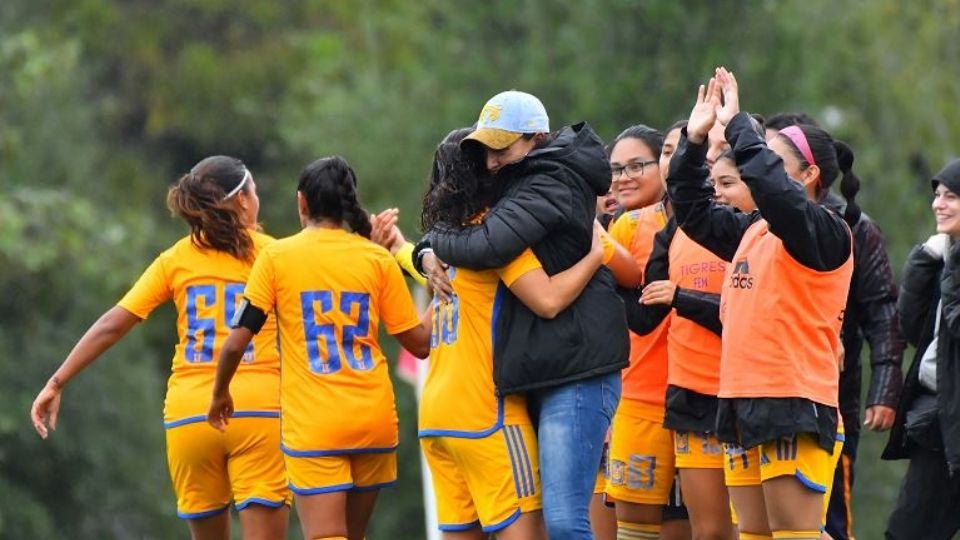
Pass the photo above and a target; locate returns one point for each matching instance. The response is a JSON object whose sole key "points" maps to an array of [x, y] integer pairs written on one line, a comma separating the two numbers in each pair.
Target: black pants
{"points": [[928, 507]]}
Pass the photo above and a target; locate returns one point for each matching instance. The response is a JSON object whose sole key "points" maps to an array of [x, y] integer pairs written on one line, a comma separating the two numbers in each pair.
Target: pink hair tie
{"points": [[799, 139]]}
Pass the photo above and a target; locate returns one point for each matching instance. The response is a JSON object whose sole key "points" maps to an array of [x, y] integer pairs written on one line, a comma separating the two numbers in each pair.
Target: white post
{"points": [[429, 497]]}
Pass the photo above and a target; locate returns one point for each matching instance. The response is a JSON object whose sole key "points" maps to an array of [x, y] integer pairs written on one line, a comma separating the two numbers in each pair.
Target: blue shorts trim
{"points": [[236, 414], [841, 437], [467, 434], [810, 483], [503, 524], [201, 515], [337, 452], [374, 487], [262, 502], [458, 527], [320, 490]]}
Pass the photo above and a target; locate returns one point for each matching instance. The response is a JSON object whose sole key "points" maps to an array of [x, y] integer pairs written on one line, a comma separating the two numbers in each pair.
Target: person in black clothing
{"points": [[569, 366], [872, 316], [763, 405], [927, 426]]}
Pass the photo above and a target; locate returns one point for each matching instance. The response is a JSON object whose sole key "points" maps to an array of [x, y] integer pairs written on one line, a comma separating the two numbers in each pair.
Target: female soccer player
{"points": [[782, 307], [330, 287], [204, 275]]}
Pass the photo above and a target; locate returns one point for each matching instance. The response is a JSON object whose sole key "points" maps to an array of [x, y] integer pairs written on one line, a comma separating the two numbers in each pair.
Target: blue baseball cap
{"points": [[506, 117]]}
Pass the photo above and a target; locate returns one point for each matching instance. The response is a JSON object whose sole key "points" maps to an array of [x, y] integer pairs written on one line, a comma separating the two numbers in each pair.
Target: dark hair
{"points": [[329, 186], [833, 158], [679, 124], [648, 135], [781, 120], [460, 188], [200, 198], [728, 154]]}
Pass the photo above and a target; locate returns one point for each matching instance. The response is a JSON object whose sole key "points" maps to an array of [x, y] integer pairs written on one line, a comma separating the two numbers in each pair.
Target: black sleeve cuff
{"points": [[885, 384]]}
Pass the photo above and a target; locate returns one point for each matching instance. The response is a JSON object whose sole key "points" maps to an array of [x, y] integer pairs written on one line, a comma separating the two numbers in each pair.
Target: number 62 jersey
{"points": [[206, 286], [330, 289]]}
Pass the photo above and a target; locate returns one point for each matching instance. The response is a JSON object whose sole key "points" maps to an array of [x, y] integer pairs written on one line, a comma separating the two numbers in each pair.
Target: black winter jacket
{"points": [[871, 315], [549, 205], [924, 277]]}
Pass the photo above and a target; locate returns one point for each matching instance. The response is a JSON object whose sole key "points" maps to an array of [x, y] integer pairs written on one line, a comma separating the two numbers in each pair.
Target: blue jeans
{"points": [[572, 422]]}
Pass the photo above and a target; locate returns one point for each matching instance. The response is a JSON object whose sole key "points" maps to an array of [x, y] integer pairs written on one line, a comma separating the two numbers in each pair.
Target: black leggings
{"points": [[928, 506]]}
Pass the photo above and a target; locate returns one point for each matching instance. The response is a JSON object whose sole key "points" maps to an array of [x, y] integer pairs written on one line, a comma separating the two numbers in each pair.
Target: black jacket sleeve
{"points": [[950, 293], [812, 234], [876, 294], [917, 292], [521, 219], [714, 226], [643, 319], [700, 307]]}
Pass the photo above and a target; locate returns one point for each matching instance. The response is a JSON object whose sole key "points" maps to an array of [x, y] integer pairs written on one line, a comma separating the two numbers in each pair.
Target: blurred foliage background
{"points": [[103, 103]]}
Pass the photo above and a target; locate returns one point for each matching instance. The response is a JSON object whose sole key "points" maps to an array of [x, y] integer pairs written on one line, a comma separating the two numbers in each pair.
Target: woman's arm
{"points": [[231, 353], [716, 227], [917, 292], [644, 317], [547, 295], [417, 339], [520, 220], [103, 334], [813, 235], [625, 269]]}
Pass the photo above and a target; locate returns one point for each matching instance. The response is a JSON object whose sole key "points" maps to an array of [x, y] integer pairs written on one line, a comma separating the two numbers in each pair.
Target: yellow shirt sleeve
{"points": [[396, 305], [609, 246], [624, 228], [151, 290], [524, 263], [261, 288], [404, 258]]}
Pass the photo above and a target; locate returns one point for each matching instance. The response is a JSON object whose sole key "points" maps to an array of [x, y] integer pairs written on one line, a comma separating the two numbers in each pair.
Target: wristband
{"points": [[404, 258]]}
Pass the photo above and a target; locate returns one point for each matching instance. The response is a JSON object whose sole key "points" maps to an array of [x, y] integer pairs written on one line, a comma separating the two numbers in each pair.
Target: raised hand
{"points": [[704, 113], [731, 95]]}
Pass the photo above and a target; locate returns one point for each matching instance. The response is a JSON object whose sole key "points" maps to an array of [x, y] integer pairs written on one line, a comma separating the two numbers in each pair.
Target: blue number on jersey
{"points": [[196, 325], [446, 318], [233, 295], [359, 330], [314, 331]]}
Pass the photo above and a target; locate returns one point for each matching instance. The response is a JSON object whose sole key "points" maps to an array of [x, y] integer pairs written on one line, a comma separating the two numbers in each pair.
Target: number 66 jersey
{"points": [[207, 287], [330, 289]]}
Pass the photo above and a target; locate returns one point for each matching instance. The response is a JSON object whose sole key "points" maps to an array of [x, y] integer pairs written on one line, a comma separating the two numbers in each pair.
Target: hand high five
{"points": [[719, 101]]}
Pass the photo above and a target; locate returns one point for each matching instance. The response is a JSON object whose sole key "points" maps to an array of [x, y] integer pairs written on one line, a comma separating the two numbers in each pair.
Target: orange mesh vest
{"points": [[645, 379], [781, 323], [692, 350]]}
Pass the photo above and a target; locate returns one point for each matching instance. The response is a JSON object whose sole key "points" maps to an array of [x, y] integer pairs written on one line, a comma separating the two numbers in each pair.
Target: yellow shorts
{"points": [[797, 455], [209, 467], [641, 464], [313, 475], [697, 450], [489, 481], [600, 485]]}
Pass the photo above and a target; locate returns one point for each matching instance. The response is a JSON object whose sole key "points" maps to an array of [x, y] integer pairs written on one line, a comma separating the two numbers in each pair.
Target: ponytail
{"points": [[329, 186], [849, 184], [200, 198]]}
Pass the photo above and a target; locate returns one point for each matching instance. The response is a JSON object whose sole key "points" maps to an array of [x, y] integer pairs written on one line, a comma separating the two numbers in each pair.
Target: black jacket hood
{"points": [[578, 149]]}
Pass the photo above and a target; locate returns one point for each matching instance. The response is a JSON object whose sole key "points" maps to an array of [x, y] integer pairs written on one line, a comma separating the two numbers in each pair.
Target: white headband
{"points": [[234, 191]]}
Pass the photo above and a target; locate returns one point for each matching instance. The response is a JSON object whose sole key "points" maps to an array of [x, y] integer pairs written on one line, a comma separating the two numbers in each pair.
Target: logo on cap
{"points": [[489, 113]]}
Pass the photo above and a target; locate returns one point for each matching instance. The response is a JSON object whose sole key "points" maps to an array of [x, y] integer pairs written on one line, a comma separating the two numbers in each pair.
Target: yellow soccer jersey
{"points": [[207, 286], [459, 398], [330, 289]]}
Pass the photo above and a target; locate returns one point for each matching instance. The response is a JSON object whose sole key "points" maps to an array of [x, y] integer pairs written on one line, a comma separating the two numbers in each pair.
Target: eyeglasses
{"points": [[633, 169]]}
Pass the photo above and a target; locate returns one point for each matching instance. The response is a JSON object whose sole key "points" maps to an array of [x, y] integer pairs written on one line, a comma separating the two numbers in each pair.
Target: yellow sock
{"points": [[637, 531], [752, 536], [796, 535], [330, 538]]}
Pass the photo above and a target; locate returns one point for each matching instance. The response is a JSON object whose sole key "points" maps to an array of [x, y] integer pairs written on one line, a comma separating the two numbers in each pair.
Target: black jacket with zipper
{"points": [[549, 205], [927, 280]]}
